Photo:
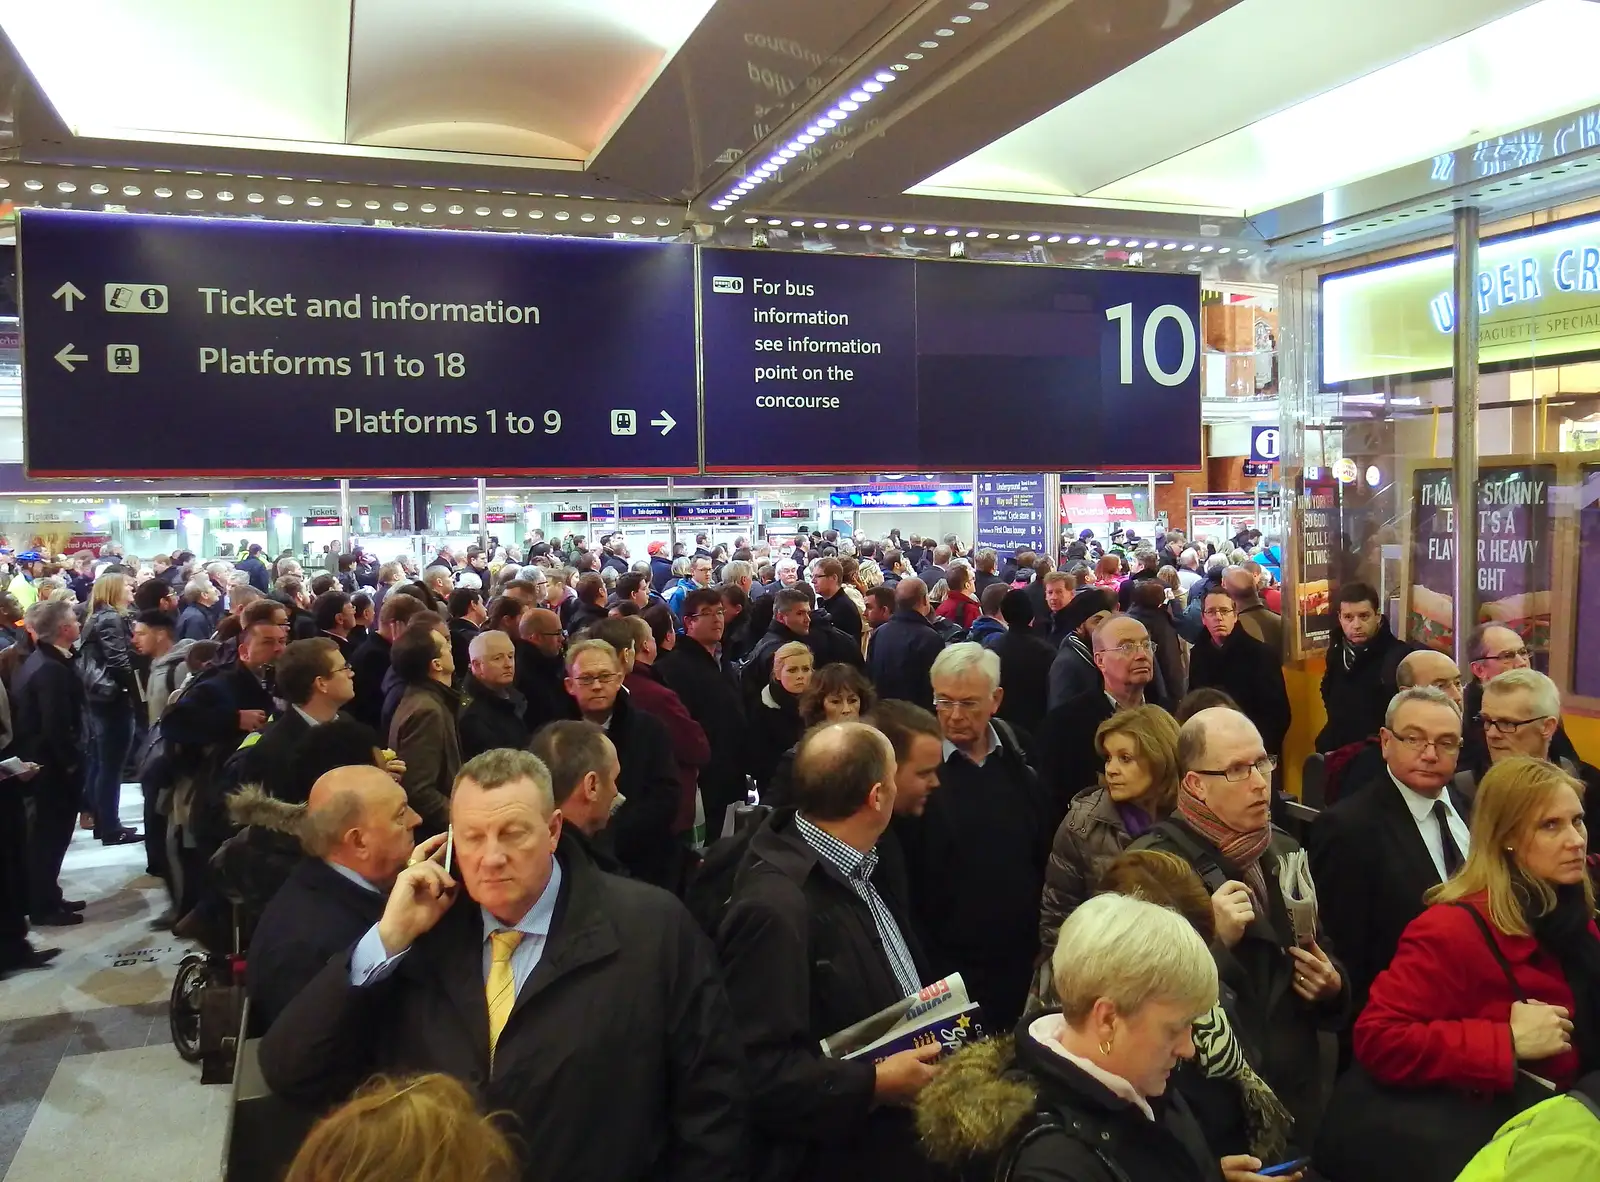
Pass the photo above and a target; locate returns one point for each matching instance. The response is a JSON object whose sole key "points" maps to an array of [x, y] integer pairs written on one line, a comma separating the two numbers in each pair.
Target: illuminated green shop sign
{"points": [[1538, 295]]}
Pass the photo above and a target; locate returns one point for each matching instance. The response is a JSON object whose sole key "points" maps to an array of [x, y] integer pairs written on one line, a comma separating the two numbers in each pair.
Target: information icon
{"points": [[624, 422], [122, 358], [136, 297]]}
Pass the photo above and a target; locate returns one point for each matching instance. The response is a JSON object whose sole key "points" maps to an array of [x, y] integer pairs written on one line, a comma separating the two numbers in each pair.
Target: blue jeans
{"points": [[110, 736]]}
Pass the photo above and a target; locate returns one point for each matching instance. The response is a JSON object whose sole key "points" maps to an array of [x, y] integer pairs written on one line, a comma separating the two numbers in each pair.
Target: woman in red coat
{"points": [[1444, 1013]]}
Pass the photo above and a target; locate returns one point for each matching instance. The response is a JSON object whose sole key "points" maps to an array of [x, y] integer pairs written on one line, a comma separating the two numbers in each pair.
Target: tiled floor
{"points": [[90, 1085]]}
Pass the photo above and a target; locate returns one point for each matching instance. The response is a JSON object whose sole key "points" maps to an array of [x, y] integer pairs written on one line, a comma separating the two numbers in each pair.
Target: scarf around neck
{"points": [[1564, 933], [1244, 850]]}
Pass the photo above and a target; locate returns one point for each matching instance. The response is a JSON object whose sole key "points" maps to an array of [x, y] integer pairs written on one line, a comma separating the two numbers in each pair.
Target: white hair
{"points": [[1130, 952], [1542, 692], [470, 581], [1432, 695], [960, 659]]}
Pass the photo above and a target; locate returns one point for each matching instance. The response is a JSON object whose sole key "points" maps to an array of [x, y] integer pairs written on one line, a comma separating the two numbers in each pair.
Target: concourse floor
{"points": [[90, 1085]]}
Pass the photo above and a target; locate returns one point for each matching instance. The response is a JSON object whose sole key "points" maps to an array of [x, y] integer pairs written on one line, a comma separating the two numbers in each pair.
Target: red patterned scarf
{"points": [[1244, 850]]}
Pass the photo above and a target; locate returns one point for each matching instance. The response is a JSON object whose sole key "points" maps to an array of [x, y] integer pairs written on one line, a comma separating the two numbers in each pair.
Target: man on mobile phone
{"points": [[585, 1005]]}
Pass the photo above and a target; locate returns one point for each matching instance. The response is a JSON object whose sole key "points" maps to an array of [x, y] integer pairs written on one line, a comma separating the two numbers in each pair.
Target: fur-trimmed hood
{"points": [[251, 805], [974, 1104]]}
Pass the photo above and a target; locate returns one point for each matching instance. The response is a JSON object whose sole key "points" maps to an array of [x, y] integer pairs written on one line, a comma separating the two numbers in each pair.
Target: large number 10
{"points": [[1123, 314]]}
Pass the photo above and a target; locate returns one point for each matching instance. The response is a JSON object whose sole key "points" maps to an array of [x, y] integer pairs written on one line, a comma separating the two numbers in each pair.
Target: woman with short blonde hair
{"points": [[423, 1128]]}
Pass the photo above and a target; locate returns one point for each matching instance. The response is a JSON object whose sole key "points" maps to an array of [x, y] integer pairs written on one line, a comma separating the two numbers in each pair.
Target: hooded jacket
{"points": [[1016, 1109]]}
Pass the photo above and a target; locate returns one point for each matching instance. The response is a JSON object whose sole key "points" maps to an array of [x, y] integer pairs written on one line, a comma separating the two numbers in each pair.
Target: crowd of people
{"points": [[609, 847]]}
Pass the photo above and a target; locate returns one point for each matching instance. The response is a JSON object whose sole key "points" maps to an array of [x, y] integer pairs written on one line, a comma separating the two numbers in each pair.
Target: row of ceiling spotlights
{"points": [[834, 118], [164, 192], [1070, 239]]}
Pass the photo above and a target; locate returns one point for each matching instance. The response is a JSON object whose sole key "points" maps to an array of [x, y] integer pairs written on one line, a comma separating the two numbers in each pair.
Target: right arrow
{"points": [[67, 357], [666, 422], [67, 293]]}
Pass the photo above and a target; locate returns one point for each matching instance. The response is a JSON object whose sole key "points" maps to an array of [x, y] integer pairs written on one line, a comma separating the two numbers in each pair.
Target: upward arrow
{"points": [[68, 294]]}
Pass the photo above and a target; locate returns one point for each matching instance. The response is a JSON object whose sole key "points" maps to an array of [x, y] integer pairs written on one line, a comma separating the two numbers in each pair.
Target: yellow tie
{"points": [[502, 985]]}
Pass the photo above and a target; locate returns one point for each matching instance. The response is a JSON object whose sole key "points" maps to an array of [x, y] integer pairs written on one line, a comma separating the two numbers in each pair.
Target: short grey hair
{"points": [[967, 657], [500, 766], [1542, 692], [1216, 564], [732, 572], [592, 646], [321, 830], [197, 589], [1131, 953], [46, 618], [1417, 693]]}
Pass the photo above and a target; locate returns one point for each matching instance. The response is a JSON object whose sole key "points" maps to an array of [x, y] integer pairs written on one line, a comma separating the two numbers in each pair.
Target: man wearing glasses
{"points": [[1230, 659], [1521, 715], [697, 672], [1496, 649], [648, 784], [314, 678], [1288, 990], [1377, 851]]}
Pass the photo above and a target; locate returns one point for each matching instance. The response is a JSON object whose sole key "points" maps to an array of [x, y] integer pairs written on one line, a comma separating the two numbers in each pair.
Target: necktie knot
{"points": [[503, 943]]}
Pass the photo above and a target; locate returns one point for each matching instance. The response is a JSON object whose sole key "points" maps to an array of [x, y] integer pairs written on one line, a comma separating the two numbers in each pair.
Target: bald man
{"points": [[1255, 617], [541, 667], [356, 831]]}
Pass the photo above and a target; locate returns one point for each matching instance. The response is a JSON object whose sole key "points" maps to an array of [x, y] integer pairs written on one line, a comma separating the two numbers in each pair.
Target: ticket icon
{"points": [[136, 297]]}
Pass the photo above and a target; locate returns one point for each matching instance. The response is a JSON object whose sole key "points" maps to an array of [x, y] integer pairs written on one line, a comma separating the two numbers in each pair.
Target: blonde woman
{"points": [[775, 722], [105, 665], [1503, 969], [1138, 787]]}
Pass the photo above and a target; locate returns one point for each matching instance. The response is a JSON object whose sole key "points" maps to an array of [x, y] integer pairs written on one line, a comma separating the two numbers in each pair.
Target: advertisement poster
{"points": [[1586, 630], [1320, 529], [1514, 538]]}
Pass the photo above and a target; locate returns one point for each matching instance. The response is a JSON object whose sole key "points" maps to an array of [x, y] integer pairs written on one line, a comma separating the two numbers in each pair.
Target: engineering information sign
{"points": [[822, 363], [163, 345], [1010, 512]]}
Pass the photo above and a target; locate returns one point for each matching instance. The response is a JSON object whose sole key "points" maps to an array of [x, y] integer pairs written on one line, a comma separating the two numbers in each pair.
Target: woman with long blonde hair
{"points": [[105, 664], [1503, 969]]}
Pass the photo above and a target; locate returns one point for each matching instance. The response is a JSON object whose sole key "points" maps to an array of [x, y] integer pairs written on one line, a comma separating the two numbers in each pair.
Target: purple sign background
{"points": [[826, 363], [1514, 540], [1585, 668], [467, 391], [1321, 536]]}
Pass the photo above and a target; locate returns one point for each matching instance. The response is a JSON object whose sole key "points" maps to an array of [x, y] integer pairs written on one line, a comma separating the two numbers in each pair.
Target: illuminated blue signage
{"points": [[902, 498]]}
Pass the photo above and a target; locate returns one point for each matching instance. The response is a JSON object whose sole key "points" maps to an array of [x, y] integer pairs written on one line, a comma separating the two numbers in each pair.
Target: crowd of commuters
{"points": [[608, 847]]}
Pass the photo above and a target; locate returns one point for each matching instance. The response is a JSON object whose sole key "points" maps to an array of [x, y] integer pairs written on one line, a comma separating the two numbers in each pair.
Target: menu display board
{"points": [[1513, 559], [1321, 524]]}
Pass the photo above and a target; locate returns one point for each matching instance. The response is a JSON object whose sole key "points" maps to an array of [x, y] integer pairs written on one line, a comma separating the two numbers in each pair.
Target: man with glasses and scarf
{"points": [[1288, 989]]}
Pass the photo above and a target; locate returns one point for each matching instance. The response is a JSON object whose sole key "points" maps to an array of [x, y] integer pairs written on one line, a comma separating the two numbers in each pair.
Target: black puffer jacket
{"points": [[1018, 1110]]}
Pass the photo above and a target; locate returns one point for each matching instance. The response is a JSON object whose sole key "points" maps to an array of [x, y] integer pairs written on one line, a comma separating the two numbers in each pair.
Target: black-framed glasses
{"points": [[1241, 771], [1511, 654], [710, 613], [1449, 745], [1219, 613], [1508, 726], [594, 679]]}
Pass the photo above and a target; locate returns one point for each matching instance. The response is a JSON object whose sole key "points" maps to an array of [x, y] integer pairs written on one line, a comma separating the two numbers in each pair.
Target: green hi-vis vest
{"points": [[1554, 1141]]}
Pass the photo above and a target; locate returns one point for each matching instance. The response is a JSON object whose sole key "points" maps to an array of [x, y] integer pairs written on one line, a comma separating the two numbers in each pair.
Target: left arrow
{"points": [[67, 357], [68, 294]]}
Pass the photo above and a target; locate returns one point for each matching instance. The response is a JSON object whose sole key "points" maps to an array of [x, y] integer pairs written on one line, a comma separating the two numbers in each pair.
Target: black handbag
{"points": [[1371, 1131]]}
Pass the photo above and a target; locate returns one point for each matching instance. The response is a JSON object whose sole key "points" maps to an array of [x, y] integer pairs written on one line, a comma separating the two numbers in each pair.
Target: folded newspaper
{"points": [[1299, 896], [940, 1015]]}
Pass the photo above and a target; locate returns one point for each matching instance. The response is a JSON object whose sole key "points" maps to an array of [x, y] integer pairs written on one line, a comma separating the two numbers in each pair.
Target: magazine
{"points": [[940, 1014]]}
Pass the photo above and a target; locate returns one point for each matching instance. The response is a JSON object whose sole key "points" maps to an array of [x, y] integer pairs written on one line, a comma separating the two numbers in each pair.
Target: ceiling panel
{"points": [[505, 76], [1258, 59]]}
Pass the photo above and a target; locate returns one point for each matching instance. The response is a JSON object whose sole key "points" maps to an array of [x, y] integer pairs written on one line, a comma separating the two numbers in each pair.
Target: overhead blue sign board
{"points": [[1266, 444], [901, 498], [827, 364], [1011, 511], [712, 510], [182, 346]]}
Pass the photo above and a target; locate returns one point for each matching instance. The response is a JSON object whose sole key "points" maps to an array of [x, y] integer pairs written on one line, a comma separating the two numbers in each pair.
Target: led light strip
{"points": [[1111, 243]]}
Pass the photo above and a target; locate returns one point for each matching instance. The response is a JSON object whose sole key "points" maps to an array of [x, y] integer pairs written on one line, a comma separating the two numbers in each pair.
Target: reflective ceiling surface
{"points": [[1213, 135]]}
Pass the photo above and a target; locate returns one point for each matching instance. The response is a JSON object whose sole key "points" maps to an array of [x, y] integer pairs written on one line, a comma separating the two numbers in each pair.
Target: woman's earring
{"points": [[1105, 1047]]}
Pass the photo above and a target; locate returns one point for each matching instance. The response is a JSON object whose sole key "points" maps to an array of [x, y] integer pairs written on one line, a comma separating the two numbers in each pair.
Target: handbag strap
{"points": [[1494, 949]]}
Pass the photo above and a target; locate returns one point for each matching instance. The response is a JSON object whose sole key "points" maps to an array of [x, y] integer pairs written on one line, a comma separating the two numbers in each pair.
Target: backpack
{"points": [[1551, 1141], [709, 889], [1335, 763]]}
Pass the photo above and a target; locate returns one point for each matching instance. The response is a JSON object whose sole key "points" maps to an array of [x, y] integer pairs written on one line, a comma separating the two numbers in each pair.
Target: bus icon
{"points": [[728, 284]]}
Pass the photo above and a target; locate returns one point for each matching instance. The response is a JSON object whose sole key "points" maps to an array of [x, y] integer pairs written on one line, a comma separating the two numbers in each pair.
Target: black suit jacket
{"points": [[712, 698], [369, 663], [1371, 868], [268, 758], [619, 1060], [316, 915], [47, 708]]}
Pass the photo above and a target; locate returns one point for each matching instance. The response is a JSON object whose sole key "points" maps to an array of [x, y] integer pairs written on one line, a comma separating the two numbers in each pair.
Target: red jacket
{"points": [[960, 607], [1441, 1012], [690, 747]]}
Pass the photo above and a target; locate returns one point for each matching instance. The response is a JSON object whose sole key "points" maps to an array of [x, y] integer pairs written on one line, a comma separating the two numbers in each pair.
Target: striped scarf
{"points": [[1244, 850], [1219, 1055]]}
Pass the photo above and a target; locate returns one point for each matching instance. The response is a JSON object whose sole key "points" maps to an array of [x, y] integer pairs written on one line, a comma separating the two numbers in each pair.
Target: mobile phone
{"points": [[1288, 1167], [449, 846]]}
